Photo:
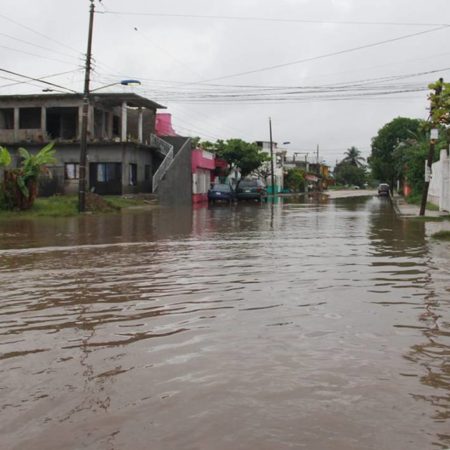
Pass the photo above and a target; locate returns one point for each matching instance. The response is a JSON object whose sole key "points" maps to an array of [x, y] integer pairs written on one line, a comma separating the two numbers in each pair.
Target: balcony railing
{"points": [[163, 146]]}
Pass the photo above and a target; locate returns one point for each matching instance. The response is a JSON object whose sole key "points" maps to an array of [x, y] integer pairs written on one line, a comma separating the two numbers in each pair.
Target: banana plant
{"points": [[5, 157], [33, 165]]}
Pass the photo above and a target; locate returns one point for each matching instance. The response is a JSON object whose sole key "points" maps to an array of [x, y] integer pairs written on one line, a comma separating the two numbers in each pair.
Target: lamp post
{"points": [[272, 175]]}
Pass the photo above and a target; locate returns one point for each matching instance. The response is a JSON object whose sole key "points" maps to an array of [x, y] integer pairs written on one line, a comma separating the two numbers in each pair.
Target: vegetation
{"points": [[294, 180], [353, 157], [382, 161], [20, 185], [248, 157], [351, 170], [67, 205], [442, 235]]}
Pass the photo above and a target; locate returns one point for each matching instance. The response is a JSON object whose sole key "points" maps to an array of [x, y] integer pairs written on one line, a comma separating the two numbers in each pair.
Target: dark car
{"points": [[221, 192], [383, 190], [251, 190]]}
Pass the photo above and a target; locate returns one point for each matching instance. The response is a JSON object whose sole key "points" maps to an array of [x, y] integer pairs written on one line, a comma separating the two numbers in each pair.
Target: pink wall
{"points": [[202, 159], [163, 125]]}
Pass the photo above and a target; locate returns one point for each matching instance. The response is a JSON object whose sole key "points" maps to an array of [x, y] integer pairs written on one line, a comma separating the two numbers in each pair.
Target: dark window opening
{"points": [[147, 172], [30, 118], [98, 123], [107, 172], [132, 174], [116, 126], [71, 171], [62, 123], [6, 118]]}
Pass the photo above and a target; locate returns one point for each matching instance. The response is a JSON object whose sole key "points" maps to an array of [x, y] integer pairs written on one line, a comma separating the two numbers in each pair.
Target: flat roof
{"points": [[109, 99]]}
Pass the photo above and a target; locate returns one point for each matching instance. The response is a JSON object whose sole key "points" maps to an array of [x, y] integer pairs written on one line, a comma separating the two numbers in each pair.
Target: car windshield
{"points": [[248, 184], [383, 186], [221, 188]]}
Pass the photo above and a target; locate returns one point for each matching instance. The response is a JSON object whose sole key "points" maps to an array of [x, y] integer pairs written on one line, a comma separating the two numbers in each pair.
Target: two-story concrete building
{"points": [[123, 151]]}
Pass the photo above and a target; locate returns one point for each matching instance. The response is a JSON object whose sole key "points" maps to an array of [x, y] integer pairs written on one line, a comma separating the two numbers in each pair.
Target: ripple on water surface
{"points": [[306, 325]]}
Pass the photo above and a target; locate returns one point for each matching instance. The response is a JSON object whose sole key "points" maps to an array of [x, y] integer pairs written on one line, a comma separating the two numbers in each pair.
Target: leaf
{"points": [[22, 186], [5, 157]]}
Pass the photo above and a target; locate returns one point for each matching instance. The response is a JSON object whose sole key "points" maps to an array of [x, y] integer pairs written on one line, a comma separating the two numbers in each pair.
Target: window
{"points": [[30, 118], [132, 174], [71, 171], [116, 126], [107, 172], [6, 118], [147, 172]]}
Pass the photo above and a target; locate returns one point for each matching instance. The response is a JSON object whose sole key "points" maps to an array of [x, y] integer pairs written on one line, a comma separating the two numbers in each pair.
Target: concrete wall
{"points": [[439, 190], [124, 153], [176, 186]]}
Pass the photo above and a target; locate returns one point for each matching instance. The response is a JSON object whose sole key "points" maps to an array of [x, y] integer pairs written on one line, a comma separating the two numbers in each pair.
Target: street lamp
{"points": [[122, 82]]}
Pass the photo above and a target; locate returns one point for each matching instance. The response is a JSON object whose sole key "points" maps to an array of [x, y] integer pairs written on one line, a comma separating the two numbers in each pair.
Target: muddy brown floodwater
{"points": [[319, 326]]}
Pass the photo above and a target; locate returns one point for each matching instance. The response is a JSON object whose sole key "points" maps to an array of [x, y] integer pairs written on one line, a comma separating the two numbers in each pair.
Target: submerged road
{"points": [[322, 325]]}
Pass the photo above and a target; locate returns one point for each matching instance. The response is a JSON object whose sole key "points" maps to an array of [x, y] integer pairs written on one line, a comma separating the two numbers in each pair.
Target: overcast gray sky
{"points": [[328, 72]]}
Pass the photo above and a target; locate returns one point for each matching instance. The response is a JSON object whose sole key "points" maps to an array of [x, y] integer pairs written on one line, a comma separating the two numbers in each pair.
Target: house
{"points": [[124, 155], [191, 174], [279, 155]]}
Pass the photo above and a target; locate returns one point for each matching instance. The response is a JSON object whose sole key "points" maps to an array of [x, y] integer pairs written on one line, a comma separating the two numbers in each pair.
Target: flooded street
{"points": [[319, 326]]}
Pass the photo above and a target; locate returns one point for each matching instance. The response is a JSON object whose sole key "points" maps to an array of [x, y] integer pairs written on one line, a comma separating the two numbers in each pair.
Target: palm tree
{"points": [[353, 157]]}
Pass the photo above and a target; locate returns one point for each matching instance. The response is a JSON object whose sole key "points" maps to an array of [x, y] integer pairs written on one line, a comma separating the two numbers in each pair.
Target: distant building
{"points": [[278, 164]]}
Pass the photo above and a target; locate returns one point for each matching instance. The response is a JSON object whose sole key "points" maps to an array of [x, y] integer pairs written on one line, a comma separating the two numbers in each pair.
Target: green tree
{"points": [[385, 142], [347, 173], [246, 156], [295, 179], [353, 157]]}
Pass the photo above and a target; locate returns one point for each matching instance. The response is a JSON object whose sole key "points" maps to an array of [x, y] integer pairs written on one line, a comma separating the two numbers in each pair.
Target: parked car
{"points": [[383, 190], [251, 190], [221, 192]]}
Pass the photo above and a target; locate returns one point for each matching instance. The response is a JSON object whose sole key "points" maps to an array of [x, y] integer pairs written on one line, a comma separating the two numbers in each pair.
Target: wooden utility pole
{"points": [[429, 163], [272, 176], [84, 118]]}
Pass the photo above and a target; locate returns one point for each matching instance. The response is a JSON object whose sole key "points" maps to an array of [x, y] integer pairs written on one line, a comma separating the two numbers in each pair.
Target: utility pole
{"points": [[84, 118], [429, 162], [318, 169], [272, 176]]}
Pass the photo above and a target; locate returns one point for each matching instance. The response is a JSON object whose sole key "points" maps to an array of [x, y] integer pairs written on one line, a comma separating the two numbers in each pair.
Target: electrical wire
{"points": [[35, 55], [326, 55], [37, 45], [38, 80], [271, 19], [39, 33]]}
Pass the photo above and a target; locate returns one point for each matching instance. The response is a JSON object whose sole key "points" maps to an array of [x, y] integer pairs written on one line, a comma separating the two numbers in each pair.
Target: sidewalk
{"points": [[407, 210]]}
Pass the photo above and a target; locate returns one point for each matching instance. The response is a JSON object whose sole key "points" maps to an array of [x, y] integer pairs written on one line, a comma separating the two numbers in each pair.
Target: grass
{"points": [[67, 206], [416, 199], [430, 218], [442, 235]]}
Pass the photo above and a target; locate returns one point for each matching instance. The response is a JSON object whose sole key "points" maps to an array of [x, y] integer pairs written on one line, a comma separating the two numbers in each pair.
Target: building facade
{"points": [[122, 152]]}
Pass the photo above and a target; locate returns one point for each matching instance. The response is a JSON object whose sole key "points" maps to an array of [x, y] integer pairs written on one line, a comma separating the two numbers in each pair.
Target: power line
{"points": [[39, 33], [326, 55], [35, 55], [37, 45], [271, 19], [38, 80]]}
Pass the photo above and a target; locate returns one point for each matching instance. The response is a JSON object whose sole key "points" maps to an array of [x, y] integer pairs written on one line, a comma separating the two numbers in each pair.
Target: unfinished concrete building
{"points": [[124, 154]]}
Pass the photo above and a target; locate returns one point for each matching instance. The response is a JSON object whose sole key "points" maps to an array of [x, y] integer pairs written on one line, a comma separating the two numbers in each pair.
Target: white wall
{"points": [[439, 190]]}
